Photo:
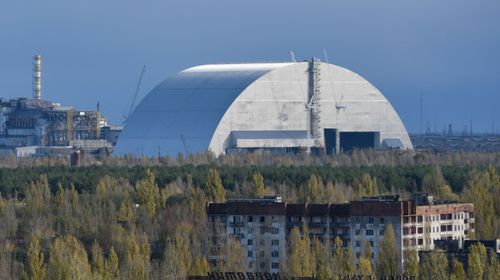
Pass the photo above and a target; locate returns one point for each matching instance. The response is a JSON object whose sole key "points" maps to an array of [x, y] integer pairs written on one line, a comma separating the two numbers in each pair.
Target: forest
{"points": [[144, 218]]}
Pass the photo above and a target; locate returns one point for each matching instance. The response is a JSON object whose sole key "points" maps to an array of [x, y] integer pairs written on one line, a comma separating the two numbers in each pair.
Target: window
{"points": [[250, 254], [262, 265], [250, 219], [262, 219], [275, 242], [420, 230], [371, 243], [250, 265], [369, 232], [262, 230], [275, 254], [370, 220], [420, 241], [358, 255], [250, 242], [358, 243], [261, 254], [261, 242], [275, 230], [382, 220], [381, 232], [275, 265], [358, 232]]}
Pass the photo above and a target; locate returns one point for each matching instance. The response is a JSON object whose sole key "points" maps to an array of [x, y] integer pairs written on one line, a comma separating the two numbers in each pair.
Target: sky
{"points": [[93, 50]]}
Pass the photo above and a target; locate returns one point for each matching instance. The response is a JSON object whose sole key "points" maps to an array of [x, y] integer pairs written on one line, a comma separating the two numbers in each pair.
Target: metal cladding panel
{"points": [[198, 109], [181, 114]]}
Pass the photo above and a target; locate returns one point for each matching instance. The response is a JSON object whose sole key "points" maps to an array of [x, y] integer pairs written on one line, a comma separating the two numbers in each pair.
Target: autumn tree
{"points": [[388, 255], [259, 188], [299, 263], [234, 256], [476, 262], [35, 267], [148, 192], [322, 259], [435, 184], [215, 189], [434, 266], [457, 270], [411, 264], [68, 260]]}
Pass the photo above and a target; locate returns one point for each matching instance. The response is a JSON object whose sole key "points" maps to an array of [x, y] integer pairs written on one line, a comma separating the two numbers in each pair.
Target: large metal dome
{"points": [[244, 107]]}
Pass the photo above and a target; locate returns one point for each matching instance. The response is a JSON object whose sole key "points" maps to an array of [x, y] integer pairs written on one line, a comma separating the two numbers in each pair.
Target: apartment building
{"points": [[262, 225]]}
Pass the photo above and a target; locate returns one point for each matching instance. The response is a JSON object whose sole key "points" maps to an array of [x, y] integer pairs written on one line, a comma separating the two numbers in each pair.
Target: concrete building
{"points": [[263, 225], [276, 107]]}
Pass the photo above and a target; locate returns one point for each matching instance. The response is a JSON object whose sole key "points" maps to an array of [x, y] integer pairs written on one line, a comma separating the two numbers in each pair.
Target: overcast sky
{"points": [[93, 50]]}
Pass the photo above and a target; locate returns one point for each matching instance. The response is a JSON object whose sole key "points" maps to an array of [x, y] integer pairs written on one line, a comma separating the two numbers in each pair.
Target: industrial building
{"points": [[263, 225], [275, 107], [36, 127]]}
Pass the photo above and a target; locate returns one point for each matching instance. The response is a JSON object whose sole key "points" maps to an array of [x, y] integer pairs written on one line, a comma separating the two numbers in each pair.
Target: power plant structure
{"points": [[274, 107], [37, 127]]}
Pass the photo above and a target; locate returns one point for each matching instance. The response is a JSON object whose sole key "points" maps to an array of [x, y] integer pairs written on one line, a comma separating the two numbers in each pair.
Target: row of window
{"points": [[262, 265], [274, 242], [274, 254]]}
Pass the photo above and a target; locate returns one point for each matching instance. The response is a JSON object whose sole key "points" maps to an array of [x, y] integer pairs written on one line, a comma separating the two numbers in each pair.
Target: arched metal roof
{"points": [[183, 111]]}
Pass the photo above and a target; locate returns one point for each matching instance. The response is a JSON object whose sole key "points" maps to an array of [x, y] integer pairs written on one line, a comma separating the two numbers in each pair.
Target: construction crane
{"points": [[136, 92]]}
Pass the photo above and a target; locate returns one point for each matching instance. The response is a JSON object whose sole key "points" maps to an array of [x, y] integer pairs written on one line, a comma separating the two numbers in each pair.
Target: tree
{"points": [[457, 270], [299, 263], [322, 259], [177, 258], [148, 193], [234, 256], [435, 184], [112, 265], [98, 266], [68, 260], [493, 267], [364, 267], [435, 266], [411, 264], [476, 261], [367, 186], [388, 255], [200, 267], [258, 184], [214, 187], [35, 268]]}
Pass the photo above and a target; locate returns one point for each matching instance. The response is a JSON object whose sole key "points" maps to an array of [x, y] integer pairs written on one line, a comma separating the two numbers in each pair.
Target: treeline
{"points": [[149, 221]]}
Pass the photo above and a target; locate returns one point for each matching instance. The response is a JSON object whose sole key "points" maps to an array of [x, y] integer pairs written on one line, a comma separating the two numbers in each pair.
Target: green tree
{"points": [[411, 264], [35, 268], [457, 270], [214, 187], [388, 255], [476, 261], [68, 260], [435, 184], [434, 266]]}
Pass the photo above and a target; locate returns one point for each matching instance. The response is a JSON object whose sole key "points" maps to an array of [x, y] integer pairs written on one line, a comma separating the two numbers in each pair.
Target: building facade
{"points": [[262, 226]]}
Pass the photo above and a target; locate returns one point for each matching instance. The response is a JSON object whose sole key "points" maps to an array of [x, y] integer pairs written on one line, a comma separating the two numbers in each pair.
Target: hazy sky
{"points": [[93, 50]]}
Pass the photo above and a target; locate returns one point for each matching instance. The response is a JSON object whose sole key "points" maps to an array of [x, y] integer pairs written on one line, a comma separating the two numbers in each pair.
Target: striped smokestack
{"points": [[37, 77]]}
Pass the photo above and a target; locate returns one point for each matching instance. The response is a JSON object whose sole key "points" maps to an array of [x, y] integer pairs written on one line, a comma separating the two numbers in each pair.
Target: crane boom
{"points": [[136, 92]]}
